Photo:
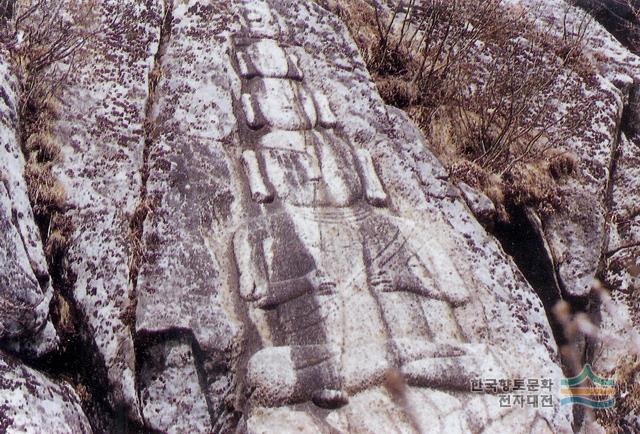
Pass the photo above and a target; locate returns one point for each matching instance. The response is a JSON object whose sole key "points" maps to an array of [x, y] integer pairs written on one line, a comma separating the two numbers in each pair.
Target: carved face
{"points": [[266, 58], [298, 157], [259, 20]]}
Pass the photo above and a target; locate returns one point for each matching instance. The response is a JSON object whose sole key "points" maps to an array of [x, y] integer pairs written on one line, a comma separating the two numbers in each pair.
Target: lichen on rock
{"points": [[255, 241]]}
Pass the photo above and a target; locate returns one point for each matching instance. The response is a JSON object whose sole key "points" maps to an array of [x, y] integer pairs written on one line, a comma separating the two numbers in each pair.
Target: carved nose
{"points": [[313, 170]]}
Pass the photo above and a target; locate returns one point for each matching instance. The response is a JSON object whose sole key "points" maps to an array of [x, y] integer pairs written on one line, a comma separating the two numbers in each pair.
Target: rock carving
{"points": [[321, 203]]}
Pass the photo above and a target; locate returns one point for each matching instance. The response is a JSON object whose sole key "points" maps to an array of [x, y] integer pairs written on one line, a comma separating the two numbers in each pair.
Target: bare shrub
{"points": [[620, 17], [573, 34], [45, 40], [6, 11], [483, 82], [511, 114], [42, 32]]}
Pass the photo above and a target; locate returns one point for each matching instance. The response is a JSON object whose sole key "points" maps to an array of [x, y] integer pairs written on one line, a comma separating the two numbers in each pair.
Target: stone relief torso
{"points": [[341, 289]]}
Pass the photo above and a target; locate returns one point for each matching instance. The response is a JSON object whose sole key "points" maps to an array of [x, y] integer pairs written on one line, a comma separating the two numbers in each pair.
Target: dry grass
{"points": [[42, 35], [58, 237], [45, 192], [43, 146], [45, 38], [42, 150], [63, 313], [481, 81], [136, 224], [627, 376]]}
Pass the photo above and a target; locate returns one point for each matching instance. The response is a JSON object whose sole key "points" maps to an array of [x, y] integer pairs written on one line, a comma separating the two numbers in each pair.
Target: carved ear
{"points": [[374, 191], [294, 72], [259, 190], [254, 118], [246, 66], [326, 118]]}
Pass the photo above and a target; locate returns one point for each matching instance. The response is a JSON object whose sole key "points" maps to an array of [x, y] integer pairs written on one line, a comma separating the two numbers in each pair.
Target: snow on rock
{"points": [[102, 128], [32, 403], [25, 288]]}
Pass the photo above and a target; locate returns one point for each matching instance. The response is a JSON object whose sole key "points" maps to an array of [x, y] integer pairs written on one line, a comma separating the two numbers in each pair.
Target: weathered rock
{"points": [[278, 243], [102, 127], [604, 225], [25, 288], [622, 258], [589, 110], [620, 318], [30, 402], [300, 231], [170, 391], [618, 17], [184, 282], [577, 234], [483, 208], [21, 293]]}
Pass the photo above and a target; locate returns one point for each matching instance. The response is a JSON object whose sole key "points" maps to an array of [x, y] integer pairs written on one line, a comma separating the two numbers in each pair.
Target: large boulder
{"points": [[304, 239], [31, 402], [609, 213], [599, 84], [25, 287], [259, 243], [102, 129], [171, 395]]}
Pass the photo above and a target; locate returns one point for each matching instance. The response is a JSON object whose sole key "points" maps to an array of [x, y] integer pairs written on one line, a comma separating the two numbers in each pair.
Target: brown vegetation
{"points": [[483, 82], [627, 375], [44, 38]]}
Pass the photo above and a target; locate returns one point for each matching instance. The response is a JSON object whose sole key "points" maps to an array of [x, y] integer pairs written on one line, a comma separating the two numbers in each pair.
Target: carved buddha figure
{"points": [[258, 19], [333, 278]]}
